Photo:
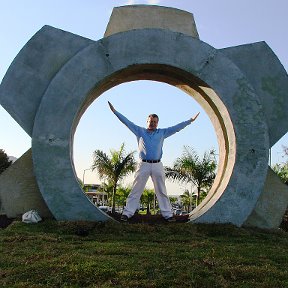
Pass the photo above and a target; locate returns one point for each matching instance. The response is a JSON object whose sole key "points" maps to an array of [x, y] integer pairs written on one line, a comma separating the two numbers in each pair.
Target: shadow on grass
{"points": [[5, 221], [137, 219], [149, 219]]}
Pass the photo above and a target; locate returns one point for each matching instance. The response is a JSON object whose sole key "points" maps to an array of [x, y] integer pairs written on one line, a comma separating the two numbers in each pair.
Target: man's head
{"points": [[152, 121]]}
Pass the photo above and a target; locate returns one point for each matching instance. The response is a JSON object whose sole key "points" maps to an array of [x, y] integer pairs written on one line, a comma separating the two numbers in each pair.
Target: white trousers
{"points": [[144, 170]]}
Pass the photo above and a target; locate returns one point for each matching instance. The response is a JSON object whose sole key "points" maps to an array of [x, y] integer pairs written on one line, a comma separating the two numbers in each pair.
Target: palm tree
{"points": [[122, 194], [107, 188], [147, 198], [173, 200], [186, 200], [190, 168], [115, 168]]}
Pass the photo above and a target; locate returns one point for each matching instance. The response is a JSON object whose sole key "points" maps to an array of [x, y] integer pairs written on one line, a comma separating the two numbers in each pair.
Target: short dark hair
{"points": [[153, 116]]}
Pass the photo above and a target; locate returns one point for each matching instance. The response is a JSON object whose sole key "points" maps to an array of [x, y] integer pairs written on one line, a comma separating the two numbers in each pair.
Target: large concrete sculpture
{"points": [[57, 75]]}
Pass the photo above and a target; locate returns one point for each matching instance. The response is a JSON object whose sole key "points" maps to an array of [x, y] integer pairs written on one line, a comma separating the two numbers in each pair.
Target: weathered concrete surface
{"points": [[19, 192], [224, 88], [269, 79], [126, 18], [271, 204], [120, 58], [33, 68]]}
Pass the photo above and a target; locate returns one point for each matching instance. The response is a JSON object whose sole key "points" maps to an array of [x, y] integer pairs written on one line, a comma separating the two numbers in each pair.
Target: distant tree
{"points": [[107, 188], [147, 199], [173, 200], [282, 171], [122, 194], [186, 200], [190, 168], [114, 168], [4, 161]]}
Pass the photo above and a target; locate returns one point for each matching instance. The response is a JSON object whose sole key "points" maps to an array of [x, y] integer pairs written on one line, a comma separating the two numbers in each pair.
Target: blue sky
{"points": [[222, 23]]}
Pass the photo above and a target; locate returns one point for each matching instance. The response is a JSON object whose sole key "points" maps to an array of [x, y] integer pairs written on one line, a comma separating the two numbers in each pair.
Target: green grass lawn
{"points": [[62, 254]]}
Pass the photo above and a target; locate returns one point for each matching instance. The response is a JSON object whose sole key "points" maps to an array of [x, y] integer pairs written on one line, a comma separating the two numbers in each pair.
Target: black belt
{"points": [[151, 161]]}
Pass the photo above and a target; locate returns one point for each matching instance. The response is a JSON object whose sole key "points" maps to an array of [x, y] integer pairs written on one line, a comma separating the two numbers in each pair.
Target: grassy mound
{"points": [[86, 254]]}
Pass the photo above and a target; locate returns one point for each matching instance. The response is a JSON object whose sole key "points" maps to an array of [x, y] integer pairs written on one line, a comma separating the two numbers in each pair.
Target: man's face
{"points": [[152, 123]]}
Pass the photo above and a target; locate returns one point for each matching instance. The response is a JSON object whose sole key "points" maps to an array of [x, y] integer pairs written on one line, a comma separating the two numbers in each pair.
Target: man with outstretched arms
{"points": [[150, 142]]}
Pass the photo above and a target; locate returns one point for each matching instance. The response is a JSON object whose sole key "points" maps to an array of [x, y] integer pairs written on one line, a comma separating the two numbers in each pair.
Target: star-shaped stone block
{"points": [[57, 75]]}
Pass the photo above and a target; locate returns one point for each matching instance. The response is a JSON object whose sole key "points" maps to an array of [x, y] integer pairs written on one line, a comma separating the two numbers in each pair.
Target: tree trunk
{"points": [[148, 209], [113, 198], [198, 195]]}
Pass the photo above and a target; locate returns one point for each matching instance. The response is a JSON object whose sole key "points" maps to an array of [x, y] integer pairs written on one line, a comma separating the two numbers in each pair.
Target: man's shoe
{"points": [[124, 218], [171, 219]]}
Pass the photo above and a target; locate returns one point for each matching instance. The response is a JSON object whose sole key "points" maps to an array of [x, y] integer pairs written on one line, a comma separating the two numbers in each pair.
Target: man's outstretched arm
{"points": [[134, 128], [194, 118], [172, 130], [111, 107]]}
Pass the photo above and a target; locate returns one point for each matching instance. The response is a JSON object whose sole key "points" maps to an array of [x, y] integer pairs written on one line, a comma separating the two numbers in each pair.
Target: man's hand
{"points": [[111, 107], [194, 118]]}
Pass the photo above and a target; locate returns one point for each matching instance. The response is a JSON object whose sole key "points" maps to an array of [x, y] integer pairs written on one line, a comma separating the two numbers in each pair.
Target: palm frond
{"points": [[190, 168]]}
